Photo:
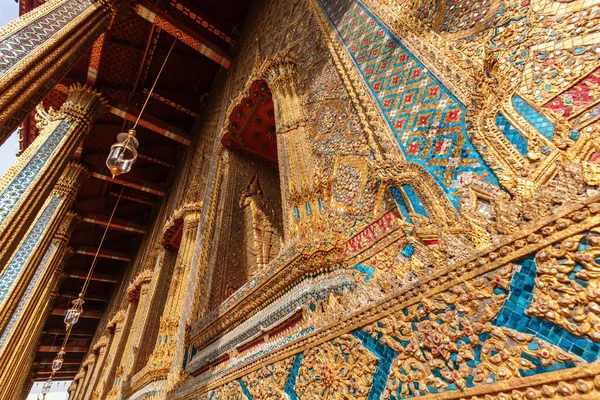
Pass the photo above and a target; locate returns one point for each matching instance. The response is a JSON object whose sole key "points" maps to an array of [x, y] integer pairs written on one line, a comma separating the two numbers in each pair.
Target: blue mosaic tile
{"points": [[17, 313], [20, 258], [291, 381], [415, 104], [415, 202], [385, 355], [512, 134], [539, 122], [20, 184], [408, 250], [513, 315], [368, 271], [402, 206], [244, 389]]}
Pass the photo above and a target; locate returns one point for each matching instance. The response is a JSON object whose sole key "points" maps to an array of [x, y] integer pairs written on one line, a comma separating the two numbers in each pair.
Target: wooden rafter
{"points": [[152, 123], [184, 34]]}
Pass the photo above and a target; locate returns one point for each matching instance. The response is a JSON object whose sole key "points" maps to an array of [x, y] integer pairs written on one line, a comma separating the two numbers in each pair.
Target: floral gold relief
{"points": [[383, 199]]}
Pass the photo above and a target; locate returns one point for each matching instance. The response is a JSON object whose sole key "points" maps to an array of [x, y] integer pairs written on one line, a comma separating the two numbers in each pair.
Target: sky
{"points": [[9, 10]]}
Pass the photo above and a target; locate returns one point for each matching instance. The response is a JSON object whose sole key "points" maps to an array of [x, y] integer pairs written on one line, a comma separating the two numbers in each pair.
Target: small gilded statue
{"points": [[261, 222]]}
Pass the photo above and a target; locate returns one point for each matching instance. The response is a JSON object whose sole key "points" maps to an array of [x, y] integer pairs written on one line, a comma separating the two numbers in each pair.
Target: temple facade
{"points": [[333, 199]]}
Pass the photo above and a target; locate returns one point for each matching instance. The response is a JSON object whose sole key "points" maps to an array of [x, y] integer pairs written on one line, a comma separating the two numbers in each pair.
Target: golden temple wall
{"points": [[451, 247]]}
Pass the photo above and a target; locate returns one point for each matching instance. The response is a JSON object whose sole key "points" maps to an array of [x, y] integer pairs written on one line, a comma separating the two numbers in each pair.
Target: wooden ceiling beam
{"points": [[181, 32], [136, 199], [108, 254], [73, 295], [96, 58], [57, 377], [95, 276], [203, 21], [90, 156], [154, 124], [48, 361], [171, 103], [61, 332], [142, 185], [85, 314], [116, 224], [139, 48]]}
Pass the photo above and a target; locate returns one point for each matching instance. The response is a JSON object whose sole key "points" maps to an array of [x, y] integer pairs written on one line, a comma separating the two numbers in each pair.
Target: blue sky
{"points": [[9, 10]]}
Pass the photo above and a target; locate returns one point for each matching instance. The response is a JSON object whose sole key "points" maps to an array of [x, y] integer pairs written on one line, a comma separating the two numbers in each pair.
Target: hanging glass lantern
{"points": [[73, 313], [57, 363], [123, 153], [47, 386]]}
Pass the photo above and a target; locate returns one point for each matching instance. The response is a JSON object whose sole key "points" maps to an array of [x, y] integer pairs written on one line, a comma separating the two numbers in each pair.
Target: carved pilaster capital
{"points": [[74, 384], [71, 179], [83, 104], [68, 223], [280, 72], [89, 361], [102, 342], [116, 321], [135, 288], [52, 296], [191, 213]]}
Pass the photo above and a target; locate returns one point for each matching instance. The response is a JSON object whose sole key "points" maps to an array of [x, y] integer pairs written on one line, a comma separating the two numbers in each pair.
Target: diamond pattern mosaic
{"points": [[19, 185], [512, 134], [426, 119], [13, 269], [28, 291], [16, 47], [532, 116], [513, 315]]}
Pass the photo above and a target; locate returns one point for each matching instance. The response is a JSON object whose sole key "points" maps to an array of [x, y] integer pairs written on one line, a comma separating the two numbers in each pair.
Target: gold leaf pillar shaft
{"points": [[28, 261], [164, 357], [119, 325], [27, 184], [24, 327], [83, 376], [99, 349], [40, 47], [294, 156], [137, 292]]}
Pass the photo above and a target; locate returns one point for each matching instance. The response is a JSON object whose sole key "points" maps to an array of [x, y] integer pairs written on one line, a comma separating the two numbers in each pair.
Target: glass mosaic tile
{"points": [[21, 182], [415, 202], [19, 45], [415, 104], [512, 134], [27, 293], [539, 122], [404, 210], [20, 258], [513, 315]]}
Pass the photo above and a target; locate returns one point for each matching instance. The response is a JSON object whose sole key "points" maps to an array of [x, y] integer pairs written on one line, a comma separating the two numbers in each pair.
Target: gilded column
{"points": [[77, 383], [99, 350], [117, 325], [138, 293], [294, 155], [164, 360], [28, 183], [40, 47], [72, 390], [37, 247], [24, 327]]}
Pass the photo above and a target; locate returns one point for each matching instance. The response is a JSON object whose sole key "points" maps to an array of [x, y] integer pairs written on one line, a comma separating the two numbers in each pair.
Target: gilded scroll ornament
{"points": [[342, 369]]}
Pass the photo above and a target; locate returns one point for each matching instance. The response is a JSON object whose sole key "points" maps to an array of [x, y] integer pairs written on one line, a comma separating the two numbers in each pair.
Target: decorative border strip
{"points": [[514, 247]]}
